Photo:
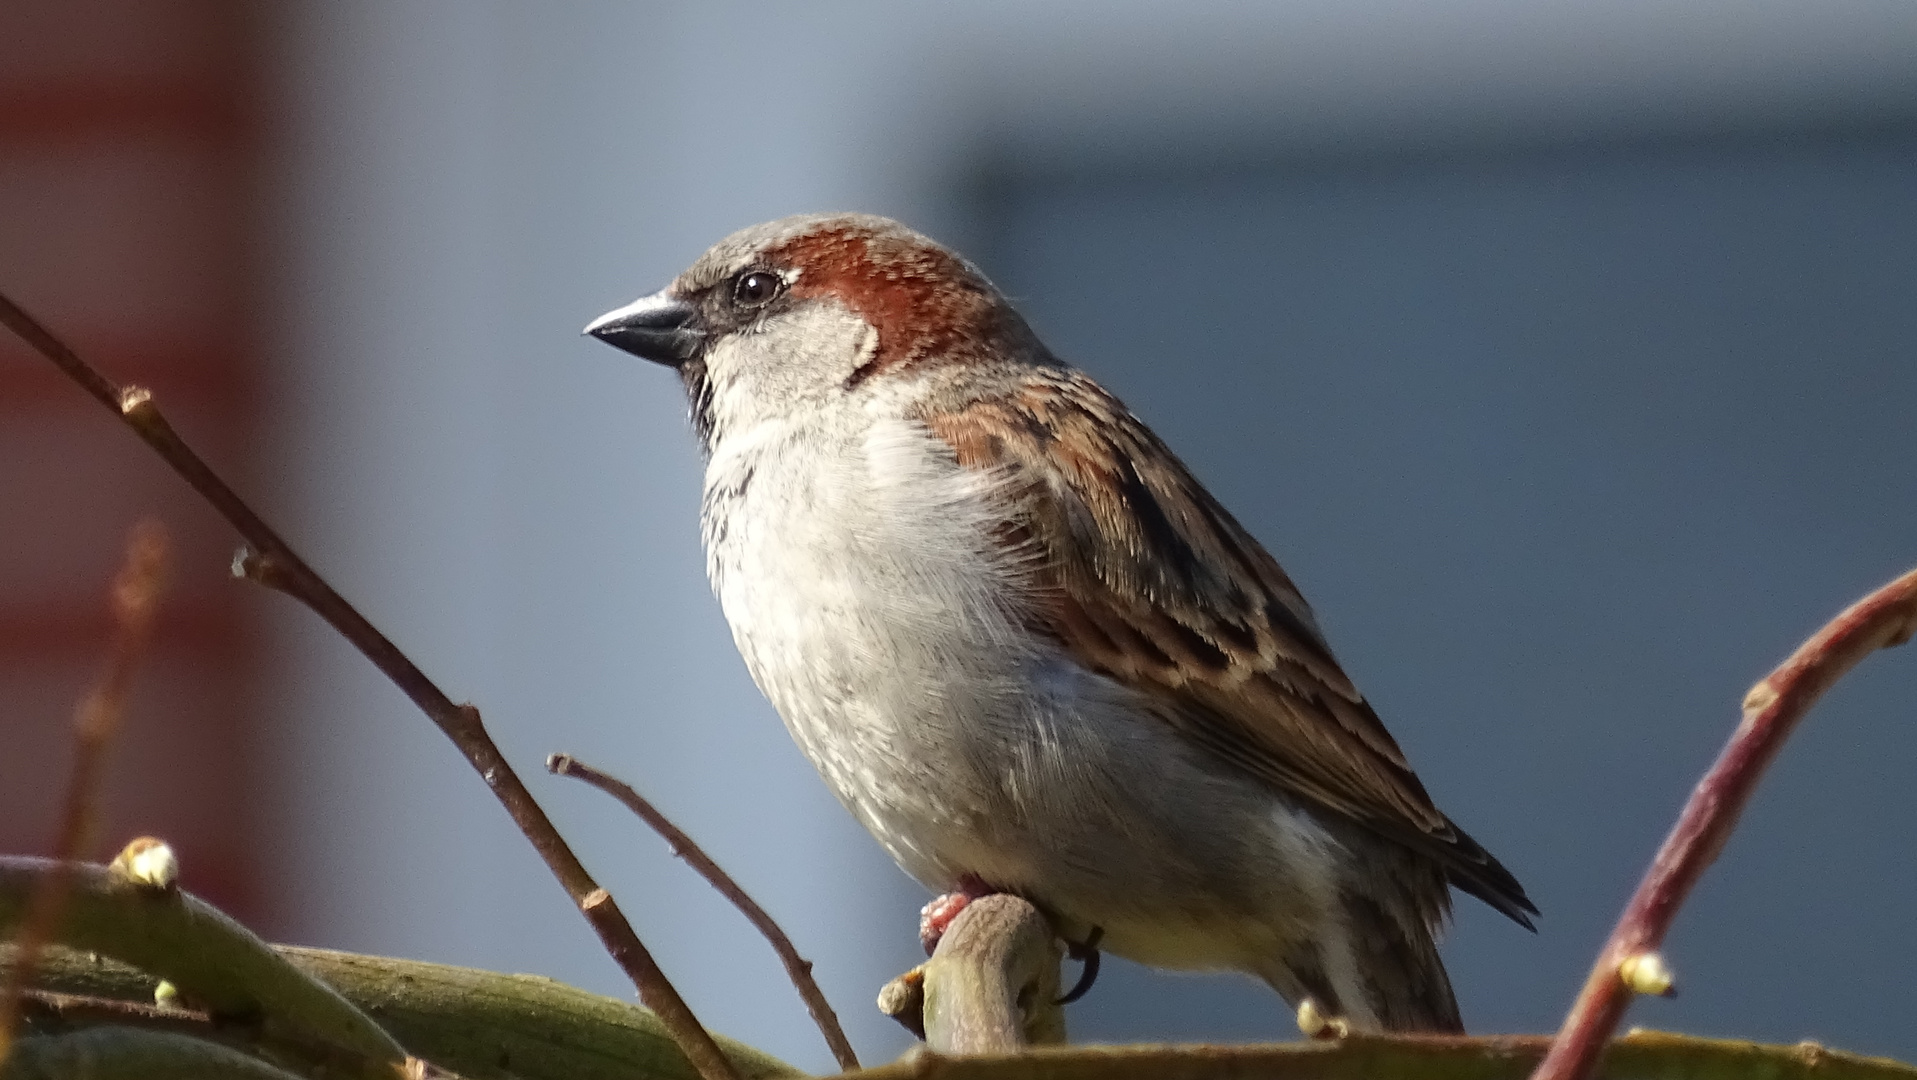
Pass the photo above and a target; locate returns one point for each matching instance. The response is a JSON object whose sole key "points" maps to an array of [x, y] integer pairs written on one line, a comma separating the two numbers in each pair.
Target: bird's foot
{"points": [[936, 917], [1085, 952]]}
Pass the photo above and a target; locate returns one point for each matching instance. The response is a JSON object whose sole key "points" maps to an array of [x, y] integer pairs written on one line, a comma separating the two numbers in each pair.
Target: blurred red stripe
{"points": [[130, 131], [195, 624], [212, 373], [73, 111]]}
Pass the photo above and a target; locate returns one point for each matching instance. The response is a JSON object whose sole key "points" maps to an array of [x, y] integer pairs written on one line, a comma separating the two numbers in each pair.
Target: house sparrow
{"points": [[1025, 647]]}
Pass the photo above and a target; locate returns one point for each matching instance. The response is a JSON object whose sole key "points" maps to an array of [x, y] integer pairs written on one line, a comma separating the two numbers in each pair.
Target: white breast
{"points": [[858, 565], [855, 561]]}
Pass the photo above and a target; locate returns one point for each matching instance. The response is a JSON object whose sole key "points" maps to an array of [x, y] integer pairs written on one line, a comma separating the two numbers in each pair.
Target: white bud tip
{"points": [[1761, 697], [165, 993], [1313, 1022], [150, 863], [132, 397], [1310, 1020], [1646, 973]]}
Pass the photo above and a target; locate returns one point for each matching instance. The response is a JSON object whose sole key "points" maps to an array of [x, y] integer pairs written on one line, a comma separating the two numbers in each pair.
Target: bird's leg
{"points": [[936, 917]]}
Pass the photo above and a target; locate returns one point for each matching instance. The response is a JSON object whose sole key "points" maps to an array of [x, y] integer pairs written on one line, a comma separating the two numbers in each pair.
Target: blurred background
{"points": [[1562, 351]]}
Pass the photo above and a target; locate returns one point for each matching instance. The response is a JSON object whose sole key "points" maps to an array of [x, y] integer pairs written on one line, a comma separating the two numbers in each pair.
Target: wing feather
{"points": [[1145, 578]]}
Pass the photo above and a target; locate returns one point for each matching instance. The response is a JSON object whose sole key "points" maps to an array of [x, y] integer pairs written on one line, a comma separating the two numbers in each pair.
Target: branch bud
{"points": [[1645, 973], [1313, 1022], [148, 863]]}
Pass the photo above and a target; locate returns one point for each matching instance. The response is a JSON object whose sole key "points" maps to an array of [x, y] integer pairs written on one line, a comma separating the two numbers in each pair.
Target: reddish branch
{"points": [[797, 967], [135, 601], [272, 562], [1771, 710]]}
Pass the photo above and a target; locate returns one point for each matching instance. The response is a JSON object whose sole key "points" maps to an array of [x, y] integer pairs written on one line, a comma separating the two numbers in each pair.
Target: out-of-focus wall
{"points": [[461, 185], [129, 153]]}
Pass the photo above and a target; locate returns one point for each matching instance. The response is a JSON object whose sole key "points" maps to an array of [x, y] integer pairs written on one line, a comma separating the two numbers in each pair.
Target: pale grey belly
{"points": [[968, 746], [968, 757]]}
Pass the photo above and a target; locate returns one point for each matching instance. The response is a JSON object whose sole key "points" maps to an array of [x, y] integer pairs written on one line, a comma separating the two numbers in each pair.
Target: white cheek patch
{"points": [[868, 347], [788, 366]]}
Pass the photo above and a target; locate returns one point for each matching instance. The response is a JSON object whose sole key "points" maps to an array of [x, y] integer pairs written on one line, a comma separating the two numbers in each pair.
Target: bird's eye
{"points": [[756, 287]]}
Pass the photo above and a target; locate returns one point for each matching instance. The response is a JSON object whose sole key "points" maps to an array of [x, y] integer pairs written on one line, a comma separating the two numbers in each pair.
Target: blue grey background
{"points": [[1568, 445], [1562, 351]]}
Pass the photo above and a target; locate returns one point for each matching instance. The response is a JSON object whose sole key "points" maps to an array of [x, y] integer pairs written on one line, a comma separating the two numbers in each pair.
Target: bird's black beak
{"points": [[661, 327]]}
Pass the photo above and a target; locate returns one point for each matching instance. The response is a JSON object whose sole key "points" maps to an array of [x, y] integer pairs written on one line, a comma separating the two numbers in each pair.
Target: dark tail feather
{"points": [[1473, 870], [1399, 979], [1404, 980]]}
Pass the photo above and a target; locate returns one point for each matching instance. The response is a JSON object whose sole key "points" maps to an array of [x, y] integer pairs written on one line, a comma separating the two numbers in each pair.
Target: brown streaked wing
{"points": [[1147, 579]]}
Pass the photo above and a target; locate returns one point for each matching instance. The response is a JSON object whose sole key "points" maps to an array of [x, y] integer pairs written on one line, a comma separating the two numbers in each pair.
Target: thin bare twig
{"points": [[797, 967], [96, 720], [1772, 710], [273, 562], [62, 1011]]}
